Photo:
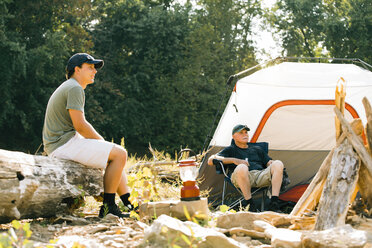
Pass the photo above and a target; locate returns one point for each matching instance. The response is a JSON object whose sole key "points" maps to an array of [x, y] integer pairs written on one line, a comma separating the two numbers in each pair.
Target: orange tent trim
{"points": [[277, 105]]}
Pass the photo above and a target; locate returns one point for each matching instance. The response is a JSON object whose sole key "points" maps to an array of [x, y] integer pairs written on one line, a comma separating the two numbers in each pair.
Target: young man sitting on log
{"points": [[252, 167], [68, 135]]}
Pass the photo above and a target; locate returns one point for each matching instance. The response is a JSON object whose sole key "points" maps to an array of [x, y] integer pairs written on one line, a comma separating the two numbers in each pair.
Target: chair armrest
{"points": [[219, 167]]}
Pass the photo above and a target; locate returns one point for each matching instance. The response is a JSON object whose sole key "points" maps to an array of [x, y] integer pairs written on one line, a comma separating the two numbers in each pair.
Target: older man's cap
{"points": [[79, 58], [239, 128]]}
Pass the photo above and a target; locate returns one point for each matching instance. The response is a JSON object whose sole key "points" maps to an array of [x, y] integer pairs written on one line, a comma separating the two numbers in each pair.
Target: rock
{"points": [[244, 240], [74, 221], [167, 230], [110, 218], [98, 228], [280, 237], [251, 233], [112, 244], [285, 238], [245, 219], [338, 237], [175, 208], [257, 244], [141, 225], [262, 226], [75, 240]]}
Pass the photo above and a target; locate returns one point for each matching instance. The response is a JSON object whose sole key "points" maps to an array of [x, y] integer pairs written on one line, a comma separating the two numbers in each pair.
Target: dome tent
{"points": [[290, 106]]}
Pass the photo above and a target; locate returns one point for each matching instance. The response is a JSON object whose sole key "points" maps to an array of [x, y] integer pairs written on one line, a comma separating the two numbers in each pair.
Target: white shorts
{"points": [[89, 152]]}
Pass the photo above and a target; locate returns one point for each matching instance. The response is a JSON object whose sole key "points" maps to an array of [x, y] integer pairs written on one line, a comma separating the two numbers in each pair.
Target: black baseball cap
{"points": [[239, 128], [79, 58]]}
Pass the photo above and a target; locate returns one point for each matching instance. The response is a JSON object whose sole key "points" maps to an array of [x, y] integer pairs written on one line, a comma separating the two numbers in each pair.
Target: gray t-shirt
{"points": [[58, 127]]}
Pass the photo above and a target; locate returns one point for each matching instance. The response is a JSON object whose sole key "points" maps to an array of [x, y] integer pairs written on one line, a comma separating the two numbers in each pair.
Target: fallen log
{"points": [[154, 163], [341, 182], [39, 186]]}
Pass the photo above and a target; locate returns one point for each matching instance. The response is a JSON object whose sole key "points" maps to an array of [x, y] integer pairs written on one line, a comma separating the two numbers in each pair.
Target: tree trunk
{"points": [[341, 182], [39, 186]]}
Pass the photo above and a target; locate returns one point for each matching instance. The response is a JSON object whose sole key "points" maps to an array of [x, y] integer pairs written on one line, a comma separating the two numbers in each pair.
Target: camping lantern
{"points": [[188, 173]]}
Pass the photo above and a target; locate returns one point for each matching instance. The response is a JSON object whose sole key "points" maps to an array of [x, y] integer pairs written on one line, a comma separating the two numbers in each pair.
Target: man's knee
{"points": [[242, 171], [277, 166], [118, 153]]}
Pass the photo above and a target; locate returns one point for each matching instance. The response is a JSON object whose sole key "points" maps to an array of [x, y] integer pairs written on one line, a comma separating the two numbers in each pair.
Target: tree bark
{"points": [[311, 196], [368, 109], [341, 182], [355, 141], [39, 186]]}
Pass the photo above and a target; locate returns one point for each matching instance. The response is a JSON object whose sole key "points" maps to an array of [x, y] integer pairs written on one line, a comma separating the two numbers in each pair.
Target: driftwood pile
{"points": [[346, 170]]}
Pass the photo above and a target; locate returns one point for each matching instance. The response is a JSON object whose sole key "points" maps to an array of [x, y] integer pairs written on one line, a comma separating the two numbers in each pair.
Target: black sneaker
{"points": [[111, 209], [129, 207], [275, 207], [252, 205]]}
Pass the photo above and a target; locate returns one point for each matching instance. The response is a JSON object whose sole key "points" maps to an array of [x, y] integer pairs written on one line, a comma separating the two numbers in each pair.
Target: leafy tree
{"points": [[334, 28], [299, 23], [165, 65], [166, 68], [12, 69], [36, 42], [348, 29]]}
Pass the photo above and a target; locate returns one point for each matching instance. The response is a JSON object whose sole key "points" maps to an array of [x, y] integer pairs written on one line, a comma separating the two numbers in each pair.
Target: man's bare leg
{"points": [[123, 192], [114, 170], [277, 176], [111, 181], [123, 185], [242, 179]]}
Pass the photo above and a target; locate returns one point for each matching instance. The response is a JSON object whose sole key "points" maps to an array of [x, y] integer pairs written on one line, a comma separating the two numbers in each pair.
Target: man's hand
{"points": [[241, 161], [228, 160]]}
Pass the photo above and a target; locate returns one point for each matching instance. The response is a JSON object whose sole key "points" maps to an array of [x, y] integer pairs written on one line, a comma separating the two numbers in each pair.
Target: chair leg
{"points": [[263, 200], [223, 192], [232, 205]]}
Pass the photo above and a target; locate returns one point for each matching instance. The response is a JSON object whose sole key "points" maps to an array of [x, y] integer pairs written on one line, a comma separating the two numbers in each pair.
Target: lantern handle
{"points": [[186, 150]]}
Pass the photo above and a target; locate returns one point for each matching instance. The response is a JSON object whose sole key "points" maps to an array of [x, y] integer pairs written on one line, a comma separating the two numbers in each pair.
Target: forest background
{"points": [[166, 62]]}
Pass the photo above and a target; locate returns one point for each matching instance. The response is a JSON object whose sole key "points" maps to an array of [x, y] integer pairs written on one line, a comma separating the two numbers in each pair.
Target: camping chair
{"points": [[227, 181]]}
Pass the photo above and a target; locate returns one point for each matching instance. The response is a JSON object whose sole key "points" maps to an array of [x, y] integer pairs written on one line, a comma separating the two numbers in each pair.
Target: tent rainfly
{"points": [[290, 106]]}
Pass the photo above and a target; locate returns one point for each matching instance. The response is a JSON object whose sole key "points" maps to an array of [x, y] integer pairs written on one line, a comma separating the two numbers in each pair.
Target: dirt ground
{"points": [[84, 229]]}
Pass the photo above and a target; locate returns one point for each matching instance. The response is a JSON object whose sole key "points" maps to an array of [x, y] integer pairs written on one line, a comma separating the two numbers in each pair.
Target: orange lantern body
{"points": [[188, 173]]}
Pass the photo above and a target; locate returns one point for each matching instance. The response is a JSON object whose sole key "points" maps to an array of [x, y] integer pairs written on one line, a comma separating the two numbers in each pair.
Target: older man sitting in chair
{"points": [[252, 167]]}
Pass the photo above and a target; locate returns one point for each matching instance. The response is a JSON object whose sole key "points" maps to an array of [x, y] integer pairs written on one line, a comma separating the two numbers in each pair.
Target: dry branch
{"points": [[155, 163], [368, 109], [355, 141]]}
